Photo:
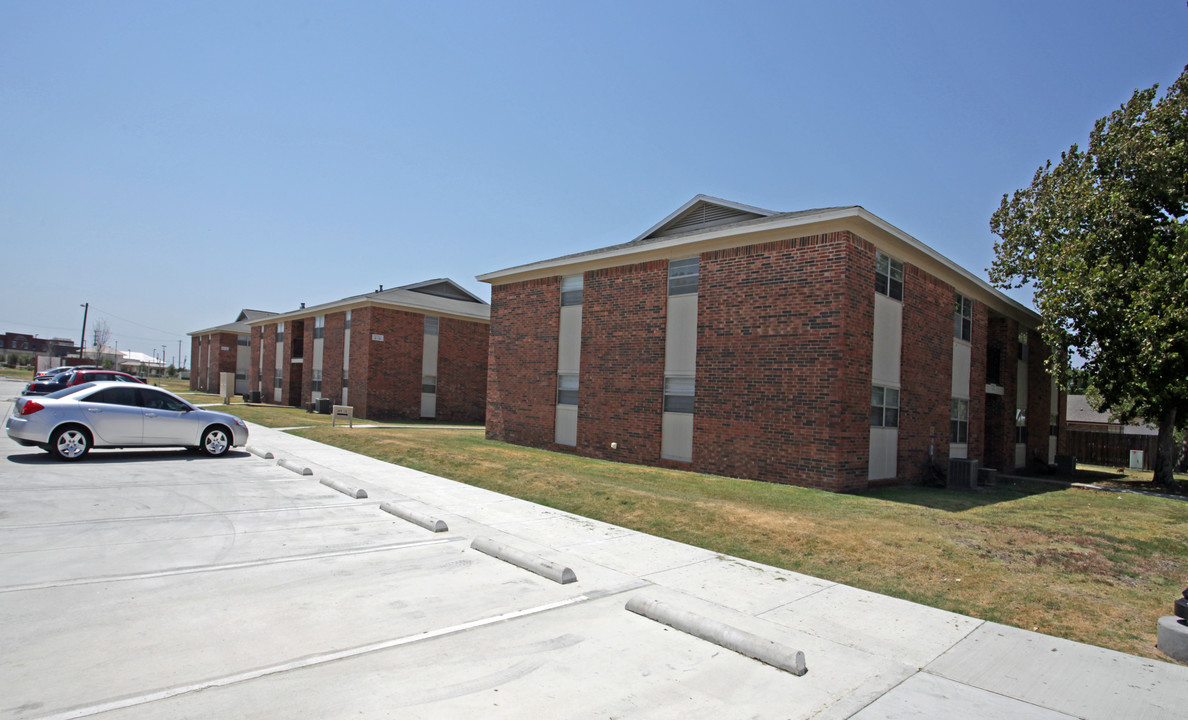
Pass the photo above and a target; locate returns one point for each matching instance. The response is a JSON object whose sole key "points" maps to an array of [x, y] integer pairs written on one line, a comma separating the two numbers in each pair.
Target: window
{"points": [[1023, 354], [242, 340], [959, 422], [348, 320], [428, 384], [1020, 427], [115, 396], [571, 290], [277, 384], [884, 407], [280, 332], [344, 378], [319, 326], [888, 276], [678, 394], [241, 376], [160, 401], [567, 389], [963, 318], [682, 276], [432, 325], [316, 383]]}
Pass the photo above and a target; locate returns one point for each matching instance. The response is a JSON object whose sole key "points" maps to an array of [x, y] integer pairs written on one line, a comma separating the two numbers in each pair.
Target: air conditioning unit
{"points": [[963, 474], [322, 406], [252, 397]]}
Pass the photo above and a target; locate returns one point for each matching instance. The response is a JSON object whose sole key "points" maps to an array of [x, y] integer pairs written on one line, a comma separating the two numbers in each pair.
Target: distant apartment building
{"points": [[222, 349], [824, 348], [416, 351], [25, 343]]}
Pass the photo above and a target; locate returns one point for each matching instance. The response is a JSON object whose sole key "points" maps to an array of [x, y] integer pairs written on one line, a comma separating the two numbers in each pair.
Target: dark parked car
{"points": [[50, 373], [77, 377]]}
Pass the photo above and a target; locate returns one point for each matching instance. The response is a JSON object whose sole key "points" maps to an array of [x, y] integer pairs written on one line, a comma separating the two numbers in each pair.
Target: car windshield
{"points": [[60, 377], [70, 390]]}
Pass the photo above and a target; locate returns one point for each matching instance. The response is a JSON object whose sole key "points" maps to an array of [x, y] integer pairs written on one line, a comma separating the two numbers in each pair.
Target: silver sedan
{"points": [[70, 422]]}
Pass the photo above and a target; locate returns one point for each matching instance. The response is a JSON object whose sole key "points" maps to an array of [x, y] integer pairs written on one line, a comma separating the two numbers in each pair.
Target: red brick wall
{"points": [[307, 365], [361, 343], [1039, 403], [522, 365], [926, 372], [783, 362], [195, 363], [999, 450], [977, 382], [461, 370], [332, 343], [391, 373], [621, 387], [255, 381], [269, 349]]}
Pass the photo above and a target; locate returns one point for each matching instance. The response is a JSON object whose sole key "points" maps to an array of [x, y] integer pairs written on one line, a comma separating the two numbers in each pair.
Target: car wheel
{"points": [[216, 441], [69, 443]]}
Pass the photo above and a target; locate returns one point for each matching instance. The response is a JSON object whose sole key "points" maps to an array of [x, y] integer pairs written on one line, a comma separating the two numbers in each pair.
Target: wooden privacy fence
{"points": [[1112, 449]]}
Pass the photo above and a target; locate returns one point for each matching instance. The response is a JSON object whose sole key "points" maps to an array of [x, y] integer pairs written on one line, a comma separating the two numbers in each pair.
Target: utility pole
{"points": [[82, 343]]}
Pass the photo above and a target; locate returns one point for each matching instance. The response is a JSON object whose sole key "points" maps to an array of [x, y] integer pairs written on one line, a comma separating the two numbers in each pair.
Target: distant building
{"points": [[824, 348], [24, 343], [417, 351], [223, 349], [1083, 418]]}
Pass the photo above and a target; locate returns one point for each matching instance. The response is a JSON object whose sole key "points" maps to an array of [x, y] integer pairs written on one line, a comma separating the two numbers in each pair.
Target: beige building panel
{"points": [[676, 441], [680, 336], [887, 343]]}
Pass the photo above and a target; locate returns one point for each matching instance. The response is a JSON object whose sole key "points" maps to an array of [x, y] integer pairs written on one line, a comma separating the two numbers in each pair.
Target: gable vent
{"points": [[704, 214]]}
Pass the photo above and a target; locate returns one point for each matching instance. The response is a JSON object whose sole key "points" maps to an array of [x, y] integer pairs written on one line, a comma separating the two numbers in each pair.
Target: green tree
{"points": [[1102, 240]]}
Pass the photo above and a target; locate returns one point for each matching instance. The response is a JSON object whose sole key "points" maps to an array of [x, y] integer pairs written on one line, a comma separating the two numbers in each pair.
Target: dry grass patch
{"points": [[1094, 567]]}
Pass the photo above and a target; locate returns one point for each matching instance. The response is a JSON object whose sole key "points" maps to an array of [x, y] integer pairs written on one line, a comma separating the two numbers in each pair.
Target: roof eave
{"points": [[917, 250]]}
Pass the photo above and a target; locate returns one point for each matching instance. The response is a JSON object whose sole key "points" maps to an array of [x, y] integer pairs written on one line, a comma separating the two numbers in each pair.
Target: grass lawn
{"points": [[1091, 566]]}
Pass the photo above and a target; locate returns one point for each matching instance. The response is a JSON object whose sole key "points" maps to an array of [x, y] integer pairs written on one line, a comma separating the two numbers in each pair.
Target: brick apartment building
{"points": [[416, 351], [823, 348], [27, 344], [222, 349]]}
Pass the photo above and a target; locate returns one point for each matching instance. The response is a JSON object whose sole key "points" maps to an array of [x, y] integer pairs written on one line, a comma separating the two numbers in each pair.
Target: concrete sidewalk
{"points": [[161, 584]]}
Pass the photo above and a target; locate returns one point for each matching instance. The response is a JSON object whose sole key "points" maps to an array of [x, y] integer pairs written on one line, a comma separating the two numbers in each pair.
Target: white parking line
{"points": [[304, 662], [227, 566], [177, 516]]}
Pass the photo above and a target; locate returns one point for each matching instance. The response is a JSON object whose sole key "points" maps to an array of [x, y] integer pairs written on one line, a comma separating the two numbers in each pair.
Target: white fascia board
{"points": [[662, 246], [441, 309]]}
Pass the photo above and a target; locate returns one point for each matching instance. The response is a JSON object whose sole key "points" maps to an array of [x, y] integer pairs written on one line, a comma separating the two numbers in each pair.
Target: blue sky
{"points": [[172, 163]]}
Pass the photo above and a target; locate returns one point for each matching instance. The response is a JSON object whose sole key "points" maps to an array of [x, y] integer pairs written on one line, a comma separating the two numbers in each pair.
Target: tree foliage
{"points": [[1101, 237]]}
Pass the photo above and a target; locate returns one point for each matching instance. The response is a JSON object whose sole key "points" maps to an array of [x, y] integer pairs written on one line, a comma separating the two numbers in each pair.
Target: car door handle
{"points": [[95, 410], [150, 414]]}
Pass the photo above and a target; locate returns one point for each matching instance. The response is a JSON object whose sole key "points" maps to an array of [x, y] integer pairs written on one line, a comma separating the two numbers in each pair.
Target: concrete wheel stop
{"points": [[259, 453], [720, 634], [1173, 631], [345, 489], [295, 467], [519, 558], [414, 517]]}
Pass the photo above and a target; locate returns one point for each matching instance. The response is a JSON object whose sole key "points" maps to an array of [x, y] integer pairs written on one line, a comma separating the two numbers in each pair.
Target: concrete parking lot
{"points": [[150, 584]]}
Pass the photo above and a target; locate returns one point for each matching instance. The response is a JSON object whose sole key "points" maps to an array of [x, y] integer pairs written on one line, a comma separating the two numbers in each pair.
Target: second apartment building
{"points": [[416, 351], [823, 348]]}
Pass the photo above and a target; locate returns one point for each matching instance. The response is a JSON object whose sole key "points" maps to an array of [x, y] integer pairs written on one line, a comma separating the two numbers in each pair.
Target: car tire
{"points": [[216, 441], [69, 443]]}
